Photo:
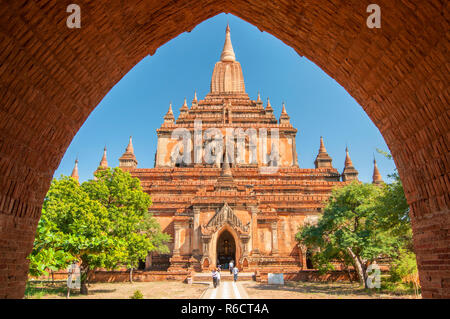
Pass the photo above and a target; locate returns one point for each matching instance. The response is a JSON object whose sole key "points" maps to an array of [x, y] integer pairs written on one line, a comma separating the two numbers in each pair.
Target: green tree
{"points": [[148, 238], [84, 227], [98, 222], [394, 209], [44, 256], [127, 206], [349, 230]]}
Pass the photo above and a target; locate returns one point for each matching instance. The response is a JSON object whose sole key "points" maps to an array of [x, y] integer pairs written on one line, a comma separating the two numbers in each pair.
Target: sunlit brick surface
{"points": [[52, 77]]}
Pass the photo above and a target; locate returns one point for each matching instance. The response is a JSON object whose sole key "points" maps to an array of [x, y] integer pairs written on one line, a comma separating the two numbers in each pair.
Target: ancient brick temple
{"points": [[243, 201]]}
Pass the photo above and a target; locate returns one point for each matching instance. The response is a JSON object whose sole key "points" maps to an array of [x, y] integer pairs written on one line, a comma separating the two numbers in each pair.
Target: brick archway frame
{"points": [[52, 77]]}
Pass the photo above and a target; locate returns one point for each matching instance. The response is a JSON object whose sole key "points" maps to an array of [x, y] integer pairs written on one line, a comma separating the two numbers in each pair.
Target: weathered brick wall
{"points": [[312, 276], [52, 77]]}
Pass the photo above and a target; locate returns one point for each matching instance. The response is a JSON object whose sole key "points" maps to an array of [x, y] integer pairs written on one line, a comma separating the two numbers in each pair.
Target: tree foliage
{"points": [[361, 223], [45, 257], [103, 223], [349, 229], [393, 207]]}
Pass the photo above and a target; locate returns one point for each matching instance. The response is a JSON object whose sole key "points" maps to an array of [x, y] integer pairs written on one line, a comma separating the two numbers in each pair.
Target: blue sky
{"points": [[317, 104]]}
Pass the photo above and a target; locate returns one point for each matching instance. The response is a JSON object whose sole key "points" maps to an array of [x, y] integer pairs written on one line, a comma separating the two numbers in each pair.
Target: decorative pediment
{"points": [[225, 216]]}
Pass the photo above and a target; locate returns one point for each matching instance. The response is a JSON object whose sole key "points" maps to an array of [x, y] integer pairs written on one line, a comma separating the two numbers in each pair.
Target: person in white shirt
{"points": [[218, 276], [231, 265], [235, 273]]}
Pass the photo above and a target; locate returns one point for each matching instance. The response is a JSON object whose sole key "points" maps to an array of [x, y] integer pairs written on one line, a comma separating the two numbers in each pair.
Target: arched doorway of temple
{"points": [[226, 249]]}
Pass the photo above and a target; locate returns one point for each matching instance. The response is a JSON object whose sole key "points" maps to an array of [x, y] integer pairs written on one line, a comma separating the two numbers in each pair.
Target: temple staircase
{"points": [[224, 276]]}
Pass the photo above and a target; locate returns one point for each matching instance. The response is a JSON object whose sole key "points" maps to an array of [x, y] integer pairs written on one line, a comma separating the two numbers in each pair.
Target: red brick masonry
{"points": [[53, 77]]}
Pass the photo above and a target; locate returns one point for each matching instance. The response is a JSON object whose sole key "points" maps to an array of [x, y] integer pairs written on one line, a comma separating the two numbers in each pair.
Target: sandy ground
{"points": [[312, 290], [150, 290], [246, 289]]}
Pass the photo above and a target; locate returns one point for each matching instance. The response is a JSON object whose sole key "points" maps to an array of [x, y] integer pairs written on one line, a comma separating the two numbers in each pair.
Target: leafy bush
{"points": [[404, 268], [102, 223], [137, 295], [398, 288]]}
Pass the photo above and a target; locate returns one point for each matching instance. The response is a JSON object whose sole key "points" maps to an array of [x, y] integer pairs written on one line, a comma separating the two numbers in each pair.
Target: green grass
{"points": [[39, 289], [397, 288]]}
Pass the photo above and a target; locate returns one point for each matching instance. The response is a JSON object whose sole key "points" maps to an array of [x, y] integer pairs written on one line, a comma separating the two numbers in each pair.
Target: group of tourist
{"points": [[216, 273]]}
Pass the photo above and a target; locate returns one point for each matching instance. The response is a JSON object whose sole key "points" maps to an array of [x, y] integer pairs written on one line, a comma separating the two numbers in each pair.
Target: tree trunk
{"points": [[83, 288], [359, 268], [84, 275], [53, 278], [131, 275], [349, 275], [88, 279]]}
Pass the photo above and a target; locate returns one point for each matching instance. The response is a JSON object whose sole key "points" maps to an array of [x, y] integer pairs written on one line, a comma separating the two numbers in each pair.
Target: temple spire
{"points": [[349, 173], [183, 110], [284, 117], [128, 159], [322, 148], [227, 51], [283, 110], [227, 75], [348, 160], [104, 161], [376, 178], [226, 170], [194, 100], [169, 118], [185, 106], [269, 106], [323, 159], [225, 182], [129, 148], [103, 164], [75, 175]]}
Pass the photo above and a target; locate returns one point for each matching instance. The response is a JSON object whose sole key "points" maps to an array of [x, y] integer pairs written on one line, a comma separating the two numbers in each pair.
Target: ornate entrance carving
{"points": [[225, 217]]}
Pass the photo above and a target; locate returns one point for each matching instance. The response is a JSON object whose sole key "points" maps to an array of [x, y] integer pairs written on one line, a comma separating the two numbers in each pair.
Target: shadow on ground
{"points": [[40, 289], [337, 289]]}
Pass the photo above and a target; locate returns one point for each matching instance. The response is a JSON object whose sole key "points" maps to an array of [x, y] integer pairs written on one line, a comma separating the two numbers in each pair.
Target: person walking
{"points": [[214, 278], [218, 276], [235, 273], [231, 265]]}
